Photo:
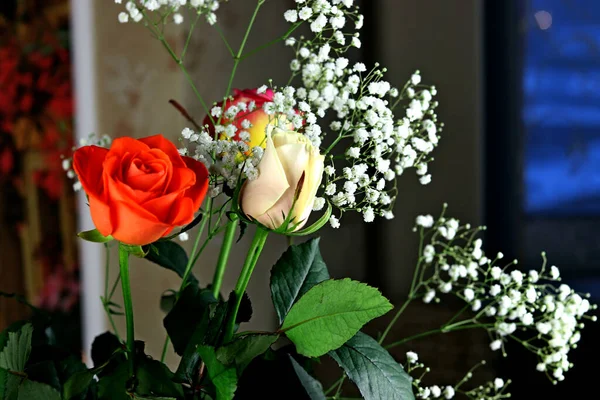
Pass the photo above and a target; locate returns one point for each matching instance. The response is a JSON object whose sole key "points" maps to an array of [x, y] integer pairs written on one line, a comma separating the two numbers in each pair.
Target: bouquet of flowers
{"points": [[287, 160]]}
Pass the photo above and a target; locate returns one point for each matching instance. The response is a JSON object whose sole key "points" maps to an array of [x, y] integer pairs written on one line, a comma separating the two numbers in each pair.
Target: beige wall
{"points": [[136, 78], [442, 39]]}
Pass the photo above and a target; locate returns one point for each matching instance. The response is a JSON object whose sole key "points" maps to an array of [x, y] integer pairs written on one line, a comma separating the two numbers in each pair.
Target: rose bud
{"points": [[139, 190], [290, 170]]}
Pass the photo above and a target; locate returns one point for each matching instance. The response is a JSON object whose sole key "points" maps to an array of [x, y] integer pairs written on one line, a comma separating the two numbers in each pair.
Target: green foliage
{"points": [[244, 349], [331, 313], [78, 383], [155, 379], [171, 256], [30, 390], [134, 250], [208, 332], [94, 236], [187, 313], [224, 378], [375, 372], [16, 351], [313, 387], [9, 385], [297, 270]]}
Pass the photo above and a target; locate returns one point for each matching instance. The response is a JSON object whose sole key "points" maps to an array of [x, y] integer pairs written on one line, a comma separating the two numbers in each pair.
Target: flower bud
{"points": [[290, 173]]}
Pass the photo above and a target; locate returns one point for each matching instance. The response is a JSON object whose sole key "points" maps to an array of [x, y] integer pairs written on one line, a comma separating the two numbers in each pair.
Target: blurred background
{"points": [[519, 91]]}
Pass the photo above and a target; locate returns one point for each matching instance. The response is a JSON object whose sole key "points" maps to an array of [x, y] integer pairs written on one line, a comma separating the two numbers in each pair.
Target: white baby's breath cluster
{"points": [[92, 140], [367, 146], [228, 161], [167, 10], [531, 308], [493, 390]]}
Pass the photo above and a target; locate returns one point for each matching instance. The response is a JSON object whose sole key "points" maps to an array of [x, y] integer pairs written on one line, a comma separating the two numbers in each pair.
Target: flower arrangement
{"points": [[286, 160]]}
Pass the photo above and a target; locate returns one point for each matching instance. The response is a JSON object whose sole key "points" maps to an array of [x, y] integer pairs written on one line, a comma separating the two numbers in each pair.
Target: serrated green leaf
{"points": [[16, 352], [313, 387], [183, 318], [224, 378], [155, 379], [94, 236], [207, 332], [297, 270], [331, 313], [244, 349], [9, 385], [30, 390], [77, 384], [372, 368], [171, 256], [114, 385]]}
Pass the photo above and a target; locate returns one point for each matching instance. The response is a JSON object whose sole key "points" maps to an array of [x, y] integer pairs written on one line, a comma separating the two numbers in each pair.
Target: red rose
{"points": [[140, 190]]}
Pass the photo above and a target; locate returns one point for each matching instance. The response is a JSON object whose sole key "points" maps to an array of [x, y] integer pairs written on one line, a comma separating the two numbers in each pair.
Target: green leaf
{"points": [[313, 387], [372, 368], [9, 385], [224, 378], [17, 349], [167, 300], [44, 372], [182, 320], [77, 384], [171, 256], [331, 313], [94, 236], [207, 332], [114, 386], [244, 349], [297, 270], [156, 379], [30, 390]]}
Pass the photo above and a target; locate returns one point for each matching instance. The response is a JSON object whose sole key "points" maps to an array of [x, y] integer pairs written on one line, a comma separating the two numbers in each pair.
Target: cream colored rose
{"points": [[269, 198]]}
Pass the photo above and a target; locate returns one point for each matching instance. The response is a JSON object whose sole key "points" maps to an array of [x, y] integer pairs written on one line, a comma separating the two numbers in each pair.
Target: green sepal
{"points": [[94, 236]]}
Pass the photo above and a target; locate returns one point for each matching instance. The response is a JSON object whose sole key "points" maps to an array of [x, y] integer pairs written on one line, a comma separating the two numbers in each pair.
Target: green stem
{"points": [[191, 260], [224, 39], [260, 237], [435, 331], [394, 320], [238, 56], [188, 268], [272, 42], [224, 255], [128, 304]]}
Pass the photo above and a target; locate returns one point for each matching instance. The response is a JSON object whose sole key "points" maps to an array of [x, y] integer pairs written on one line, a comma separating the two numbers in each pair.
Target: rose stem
{"points": [[126, 285], [224, 255], [189, 266], [260, 237]]}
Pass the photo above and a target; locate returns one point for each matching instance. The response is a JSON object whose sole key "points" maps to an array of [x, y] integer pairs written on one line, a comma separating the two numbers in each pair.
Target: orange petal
{"points": [[159, 142], [182, 211], [134, 225], [87, 163], [127, 144], [198, 191]]}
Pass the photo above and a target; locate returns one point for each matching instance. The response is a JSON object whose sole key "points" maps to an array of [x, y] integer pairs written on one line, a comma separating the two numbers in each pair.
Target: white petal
{"points": [[261, 194]]}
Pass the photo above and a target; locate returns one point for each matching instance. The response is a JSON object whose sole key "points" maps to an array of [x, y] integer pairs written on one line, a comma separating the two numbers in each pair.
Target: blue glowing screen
{"points": [[561, 110]]}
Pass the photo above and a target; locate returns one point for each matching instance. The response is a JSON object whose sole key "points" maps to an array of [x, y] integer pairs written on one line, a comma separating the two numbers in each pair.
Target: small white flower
{"points": [[123, 17], [436, 391], [449, 392], [426, 221], [318, 204], [291, 16], [498, 383], [469, 294], [426, 179], [412, 357], [554, 272], [496, 345], [184, 237], [262, 89], [334, 222], [533, 276], [429, 296], [177, 18], [415, 79]]}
